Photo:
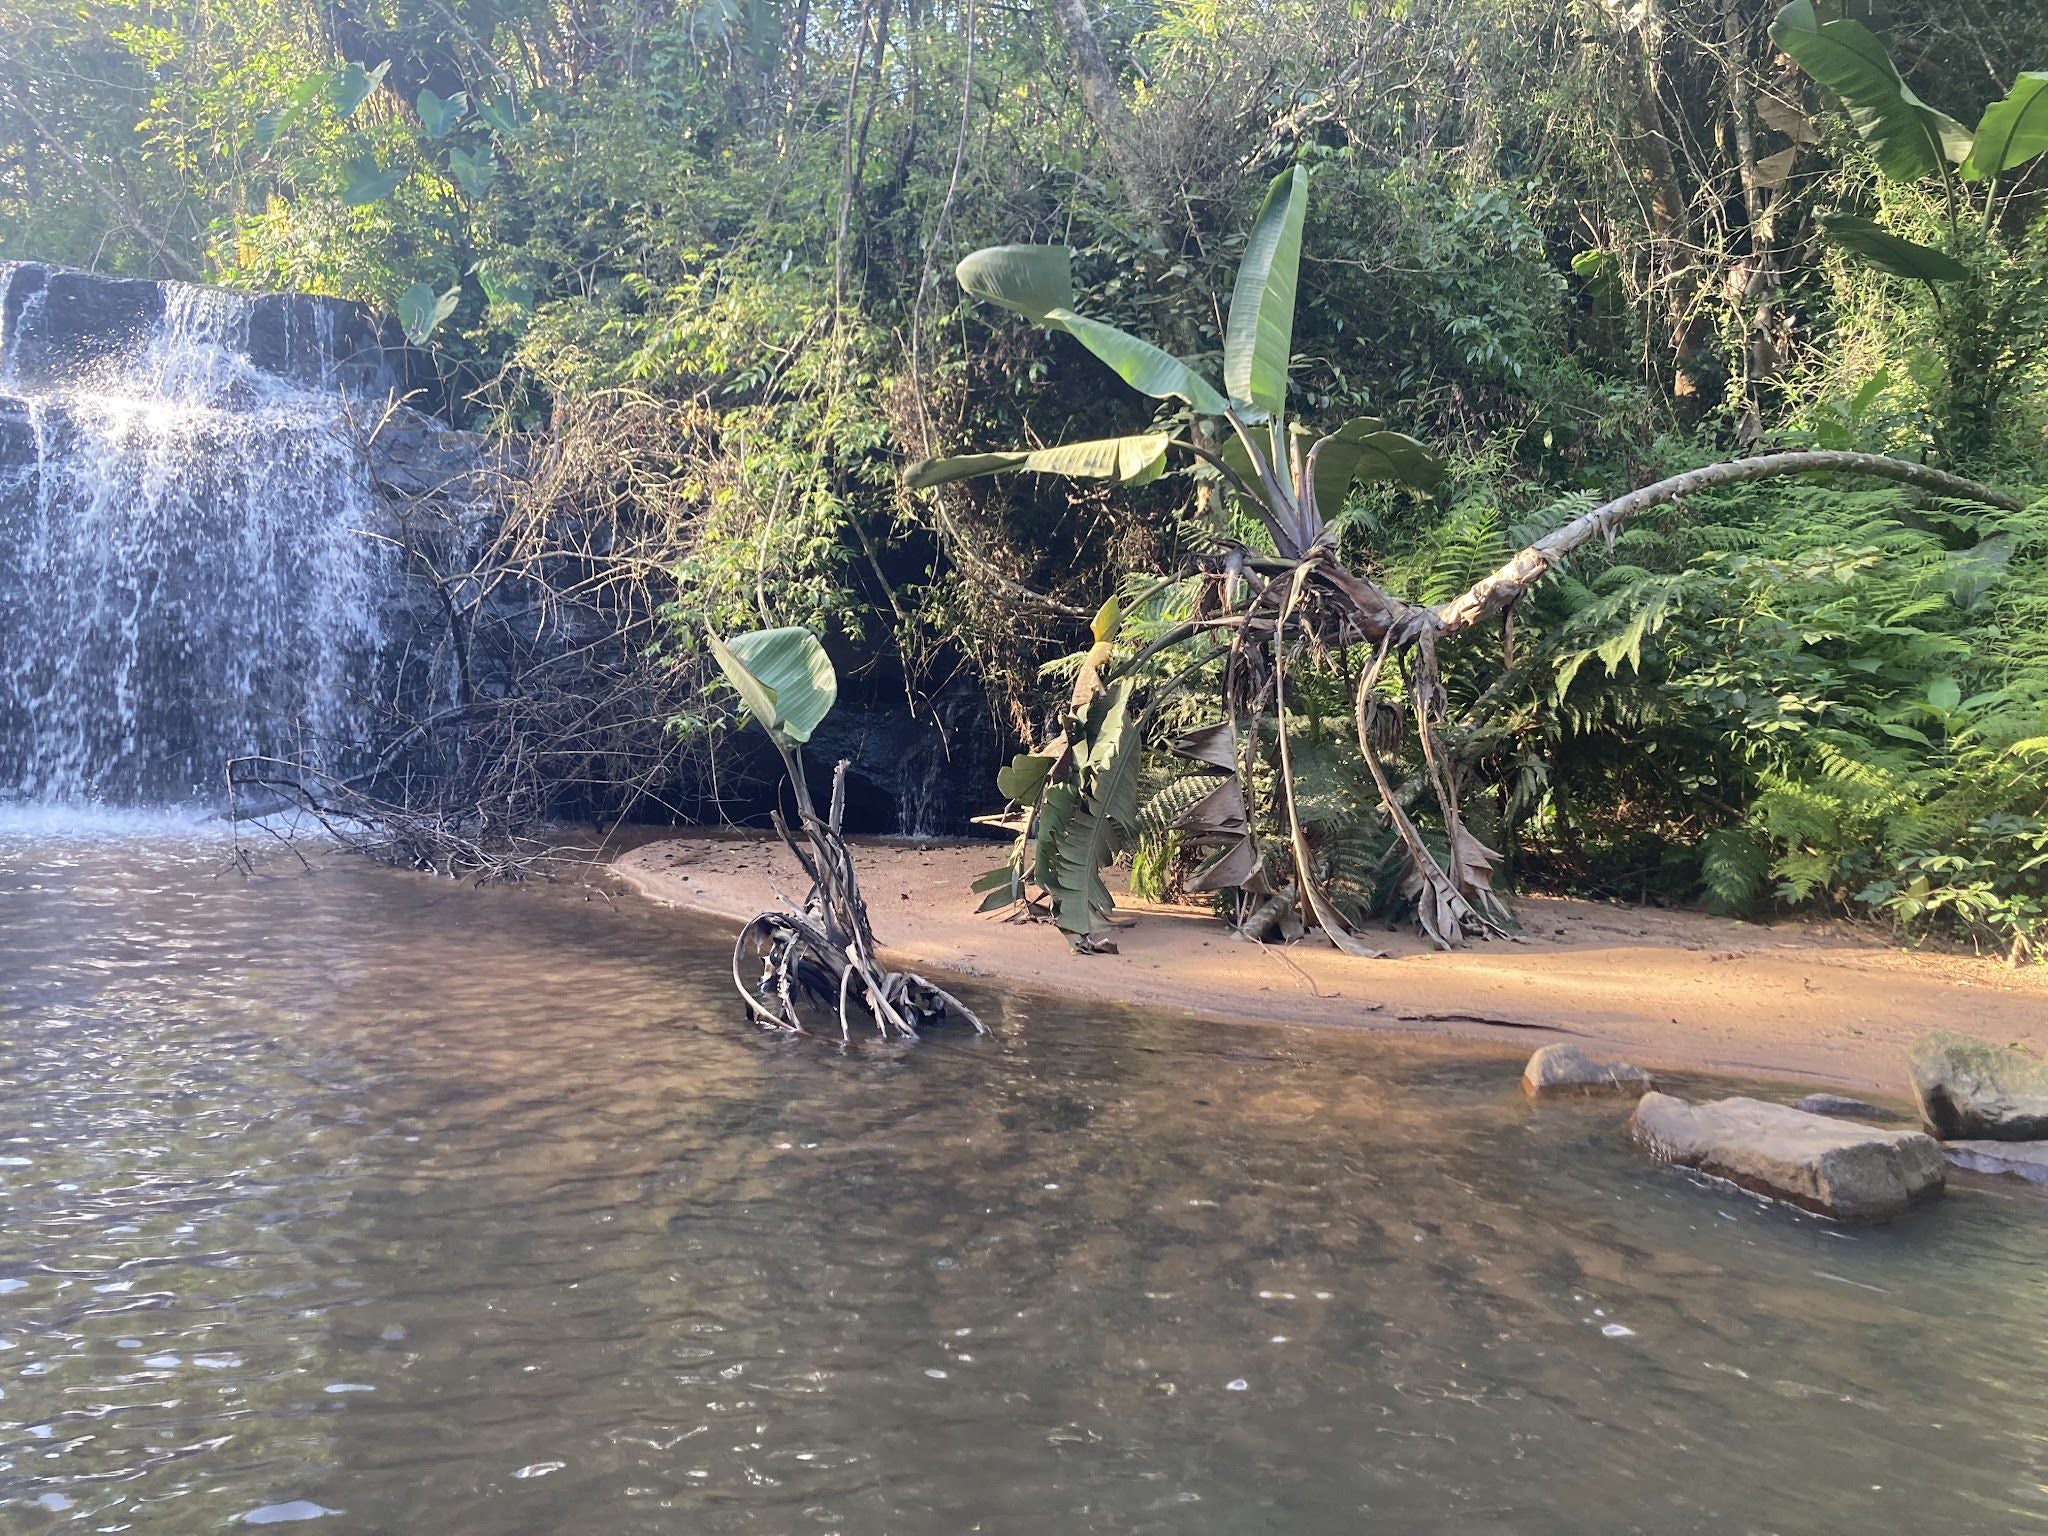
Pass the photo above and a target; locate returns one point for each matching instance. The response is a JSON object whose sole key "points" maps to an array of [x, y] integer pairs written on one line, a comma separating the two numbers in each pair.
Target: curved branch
{"points": [[1493, 594]]}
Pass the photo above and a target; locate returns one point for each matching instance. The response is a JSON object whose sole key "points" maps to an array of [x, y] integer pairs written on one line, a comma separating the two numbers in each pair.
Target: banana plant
{"points": [[1262, 617], [823, 956], [1911, 140]]}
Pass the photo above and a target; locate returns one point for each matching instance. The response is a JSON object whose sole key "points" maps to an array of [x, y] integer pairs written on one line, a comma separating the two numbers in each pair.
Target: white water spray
{"points": [[189, 561]]}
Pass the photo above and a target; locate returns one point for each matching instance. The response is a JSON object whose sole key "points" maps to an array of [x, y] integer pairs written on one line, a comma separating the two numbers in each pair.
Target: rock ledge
{"points": [[1835, 1168]]}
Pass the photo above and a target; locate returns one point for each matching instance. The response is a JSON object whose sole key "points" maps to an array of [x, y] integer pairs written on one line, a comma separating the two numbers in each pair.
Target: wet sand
{"points": [[1665, 989]]}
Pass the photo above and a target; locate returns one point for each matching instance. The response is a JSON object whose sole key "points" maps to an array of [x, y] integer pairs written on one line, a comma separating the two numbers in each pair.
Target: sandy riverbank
{"points": [[1665, 989]]}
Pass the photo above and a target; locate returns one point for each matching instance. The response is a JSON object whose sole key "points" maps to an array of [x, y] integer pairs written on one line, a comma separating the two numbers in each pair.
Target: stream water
{"points": [[394, 1206]]}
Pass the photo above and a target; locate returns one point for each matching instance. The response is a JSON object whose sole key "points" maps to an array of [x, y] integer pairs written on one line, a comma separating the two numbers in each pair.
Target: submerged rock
{"points": [[1558, 1070], [1842, 1107], [1847, 1171], [2015, 1159], [1970, 1088]]}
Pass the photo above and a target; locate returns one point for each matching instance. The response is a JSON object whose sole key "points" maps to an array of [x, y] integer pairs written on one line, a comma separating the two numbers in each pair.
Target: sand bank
{"points": [[1665, 989]]}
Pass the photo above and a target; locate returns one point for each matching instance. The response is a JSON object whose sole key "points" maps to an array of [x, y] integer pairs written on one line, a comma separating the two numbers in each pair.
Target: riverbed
{"points": [[359, 1202]]}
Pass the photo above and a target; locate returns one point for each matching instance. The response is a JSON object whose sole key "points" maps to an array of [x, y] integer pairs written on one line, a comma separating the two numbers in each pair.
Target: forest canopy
{"points": [[1572, 246]]}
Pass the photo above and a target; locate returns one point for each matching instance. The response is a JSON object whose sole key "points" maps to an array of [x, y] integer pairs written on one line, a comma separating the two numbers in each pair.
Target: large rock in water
{"points": [[1837, 1168], [2014, 1159], [1970, 1088], [1562, 1070]]}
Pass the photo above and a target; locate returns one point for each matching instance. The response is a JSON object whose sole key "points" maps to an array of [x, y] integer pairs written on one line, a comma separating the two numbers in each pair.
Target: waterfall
{"points": [[188, 563]]}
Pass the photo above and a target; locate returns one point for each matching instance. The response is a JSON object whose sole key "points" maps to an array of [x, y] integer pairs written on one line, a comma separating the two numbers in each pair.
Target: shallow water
{"points": [[389, 1205]]}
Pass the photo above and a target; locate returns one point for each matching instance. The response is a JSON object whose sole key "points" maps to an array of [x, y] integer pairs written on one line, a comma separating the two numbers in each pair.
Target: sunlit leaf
{"points": [[1259, 341]]}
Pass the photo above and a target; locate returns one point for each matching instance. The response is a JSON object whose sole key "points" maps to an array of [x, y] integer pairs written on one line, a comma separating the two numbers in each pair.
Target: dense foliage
{"points": [[1571, 244]]}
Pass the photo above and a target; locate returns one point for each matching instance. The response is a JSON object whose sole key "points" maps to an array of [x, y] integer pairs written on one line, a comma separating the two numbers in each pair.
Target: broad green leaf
{"points": [[1887, 252], [473, 172], [421, 311], [1124, 460], [783, 676], [1911, 138], [439, 114], [1021, 781], [1148, 369], [500, 114], [1260, 338], [1033, 280], [350, 86], [2013, 129], [363, 182], [1944, 694], [516, 291], [1362, 449]]}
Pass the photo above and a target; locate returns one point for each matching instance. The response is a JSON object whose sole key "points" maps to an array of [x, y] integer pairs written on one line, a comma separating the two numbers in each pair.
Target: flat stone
{"points": [[2015, 1159], [1971, 1089], [1842, 1107], [1565, 1069], [1833, 1167]]}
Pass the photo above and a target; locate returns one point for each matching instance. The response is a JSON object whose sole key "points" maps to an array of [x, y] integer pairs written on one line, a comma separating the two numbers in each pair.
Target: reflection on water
{"points": [[395, 1206]]}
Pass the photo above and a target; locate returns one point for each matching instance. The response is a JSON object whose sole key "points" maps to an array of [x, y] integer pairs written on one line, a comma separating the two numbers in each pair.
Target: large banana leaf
{"points": [[1887, 252], [1363, 449], [1911, 138], [1083, 826], [1033, 280], [1148, 369], [1124, 460], [784, 678], [1259, 340], [2013, 130]]}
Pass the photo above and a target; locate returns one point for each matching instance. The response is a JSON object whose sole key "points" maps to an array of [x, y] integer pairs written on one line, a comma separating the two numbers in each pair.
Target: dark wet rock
{"points": [[1836, 1168], [1841, 1107], [2015, 1159], [1969, 1088], [1562, 1070]]}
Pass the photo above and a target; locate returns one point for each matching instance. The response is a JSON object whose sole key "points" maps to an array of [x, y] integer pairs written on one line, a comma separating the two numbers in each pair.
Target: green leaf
{"points": [[1083, 827], [363, 182], [1889, 253], [472, 172], [1911, 138], [1148, 369], [1021, 781], [421, 311], [1944, 693], [438, 114], [500, 114], [1033, 280], [784, 678], [350, 86], [1124, 460], [2013, 129], [501, 289], [1362, 449], [1260, 339]]}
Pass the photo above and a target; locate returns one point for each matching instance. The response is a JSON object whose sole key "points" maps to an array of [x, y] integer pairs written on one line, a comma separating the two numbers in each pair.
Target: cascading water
{"points": [[189, 561]]}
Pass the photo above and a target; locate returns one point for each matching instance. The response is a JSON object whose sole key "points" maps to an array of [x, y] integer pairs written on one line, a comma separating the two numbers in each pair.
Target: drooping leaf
{"points": [[1033, 280], [1888, 252], [1911, 138], [439, 114], [1215, 745], [364, 182], [1363, 449], [1259, 340], [421, 311], [2013, 130], [350, 86], [784, 678], [1234, 865], [473, 170], [1219, 813], [1148, 369], [1080, 838], [1123, 460]]}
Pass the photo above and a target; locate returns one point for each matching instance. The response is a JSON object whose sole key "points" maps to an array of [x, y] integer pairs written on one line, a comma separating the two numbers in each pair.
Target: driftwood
{"points": [[824, 955]]}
